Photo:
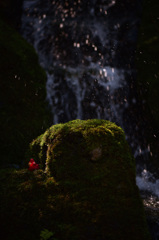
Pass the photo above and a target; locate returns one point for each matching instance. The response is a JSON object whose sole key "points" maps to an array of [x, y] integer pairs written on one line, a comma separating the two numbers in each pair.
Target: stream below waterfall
{"points": [[87, 49]]}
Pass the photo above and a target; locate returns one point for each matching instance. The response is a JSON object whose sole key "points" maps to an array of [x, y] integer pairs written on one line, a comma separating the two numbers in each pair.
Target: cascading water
{"points": [[87, 49]]}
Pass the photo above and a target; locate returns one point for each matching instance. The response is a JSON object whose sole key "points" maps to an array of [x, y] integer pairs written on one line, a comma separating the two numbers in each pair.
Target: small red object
{"points": [[32, 165]]}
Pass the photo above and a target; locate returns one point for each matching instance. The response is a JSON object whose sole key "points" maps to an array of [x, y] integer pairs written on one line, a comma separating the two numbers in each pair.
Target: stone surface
{"points": [[23, 106], [95, 171], [147, 61]]}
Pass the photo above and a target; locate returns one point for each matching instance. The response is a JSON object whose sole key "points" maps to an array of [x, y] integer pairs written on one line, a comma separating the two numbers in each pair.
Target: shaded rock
{"points": [[23, 106], [147, 61], [95, 171]]}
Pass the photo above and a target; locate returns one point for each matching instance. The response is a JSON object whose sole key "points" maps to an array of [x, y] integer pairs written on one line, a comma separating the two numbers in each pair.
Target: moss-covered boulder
{"points": [[93, 193], [23, 105]]}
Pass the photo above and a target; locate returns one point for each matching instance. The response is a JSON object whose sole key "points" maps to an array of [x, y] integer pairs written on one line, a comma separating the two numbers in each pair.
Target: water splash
{"points": [[148, 182], [87, 49], [86, 84]]}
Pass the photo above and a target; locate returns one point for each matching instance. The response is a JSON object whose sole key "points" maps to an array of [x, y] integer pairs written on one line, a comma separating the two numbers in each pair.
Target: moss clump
{"points": [[93, 171], [22, 96]]}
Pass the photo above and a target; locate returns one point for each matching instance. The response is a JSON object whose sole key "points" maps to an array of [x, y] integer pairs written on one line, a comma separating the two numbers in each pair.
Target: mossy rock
{"points": [[92, 165], [23, 105]]}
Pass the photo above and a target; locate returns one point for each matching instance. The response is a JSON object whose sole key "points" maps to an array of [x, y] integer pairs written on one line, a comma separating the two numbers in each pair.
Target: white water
{"points": [[147, 182], [84, 80], [91, 71], [107, 78]]}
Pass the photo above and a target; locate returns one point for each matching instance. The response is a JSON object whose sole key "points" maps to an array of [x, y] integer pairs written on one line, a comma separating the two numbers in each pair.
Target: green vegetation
{"points": [[22, 96], [74, 136], [147, 62], [46, 235], [87, 190], [86, 186]]}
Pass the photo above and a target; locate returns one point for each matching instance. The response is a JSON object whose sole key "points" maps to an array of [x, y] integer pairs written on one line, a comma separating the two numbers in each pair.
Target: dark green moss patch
{"points": [[31, 202], [23, 108], [88, 190]]}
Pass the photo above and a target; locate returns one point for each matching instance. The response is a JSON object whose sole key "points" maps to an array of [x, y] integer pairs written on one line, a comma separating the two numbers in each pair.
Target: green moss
{"points": [[93, 171], [22, 95]]}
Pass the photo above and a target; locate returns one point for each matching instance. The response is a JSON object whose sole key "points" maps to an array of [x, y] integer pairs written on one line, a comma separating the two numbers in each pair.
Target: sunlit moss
{"points": [[87, 192], [90, 182]]}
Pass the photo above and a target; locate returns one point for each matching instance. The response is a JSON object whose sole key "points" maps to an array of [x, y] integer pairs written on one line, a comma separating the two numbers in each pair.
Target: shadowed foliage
{"points": [[24, 114], [87, 190]]}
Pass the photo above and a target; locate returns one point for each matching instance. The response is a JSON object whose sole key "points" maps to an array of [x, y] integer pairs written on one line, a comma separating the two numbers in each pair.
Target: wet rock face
{"points": [[22, 96], [95, 172]]}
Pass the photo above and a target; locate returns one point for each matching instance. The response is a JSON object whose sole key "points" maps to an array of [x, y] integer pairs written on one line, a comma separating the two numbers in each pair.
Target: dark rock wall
{"points": [[147, 61], [87, 192], [23, 104]]}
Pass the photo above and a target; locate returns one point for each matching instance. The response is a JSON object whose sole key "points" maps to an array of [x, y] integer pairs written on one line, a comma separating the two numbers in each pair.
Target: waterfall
{"points": [[87, 49]]}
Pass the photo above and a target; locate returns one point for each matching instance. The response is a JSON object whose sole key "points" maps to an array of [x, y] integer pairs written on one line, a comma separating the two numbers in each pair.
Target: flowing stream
{"points": [[87, 49]]}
